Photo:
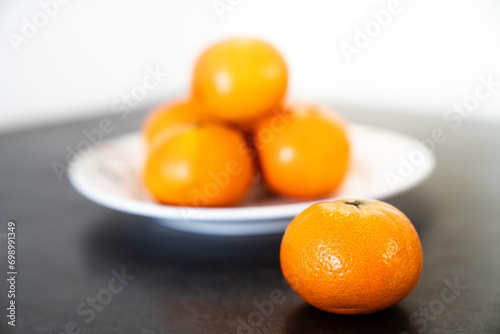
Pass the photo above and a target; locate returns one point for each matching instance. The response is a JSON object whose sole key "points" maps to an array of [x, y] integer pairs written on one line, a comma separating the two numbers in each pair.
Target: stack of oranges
{"points": [[205, 150]]}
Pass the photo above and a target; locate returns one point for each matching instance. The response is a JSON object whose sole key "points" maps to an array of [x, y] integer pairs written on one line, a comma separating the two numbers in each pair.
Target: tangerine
{"points": [[239, 79], [200, 164], [303, 150], [351, 256], [167, 115]]}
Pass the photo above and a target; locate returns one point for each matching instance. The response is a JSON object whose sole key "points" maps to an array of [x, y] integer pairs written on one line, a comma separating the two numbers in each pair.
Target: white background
{"points": [[90, 52]]}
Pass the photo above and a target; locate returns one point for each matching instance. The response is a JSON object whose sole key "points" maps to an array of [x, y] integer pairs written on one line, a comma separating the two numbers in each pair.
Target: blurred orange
{"points": [[165, 116], [200, 164], [239, 79], [303, 150]]}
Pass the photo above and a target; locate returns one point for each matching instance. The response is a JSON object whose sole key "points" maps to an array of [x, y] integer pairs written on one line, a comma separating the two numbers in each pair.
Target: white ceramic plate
{"points": [[384, 163]]}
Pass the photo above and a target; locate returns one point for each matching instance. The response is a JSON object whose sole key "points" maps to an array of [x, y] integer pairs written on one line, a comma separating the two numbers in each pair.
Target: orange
{"points": [[239, 79], [351, 256], [165, 116], [200, 164], [303, 150]]}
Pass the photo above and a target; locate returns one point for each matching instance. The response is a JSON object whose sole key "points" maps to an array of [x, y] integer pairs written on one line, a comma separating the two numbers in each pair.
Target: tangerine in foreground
{"points": [[351, 256], [205, 164]]}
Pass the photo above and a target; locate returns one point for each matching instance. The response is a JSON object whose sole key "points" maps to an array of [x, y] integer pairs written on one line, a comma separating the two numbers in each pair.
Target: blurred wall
{"points": [[63, 59]]}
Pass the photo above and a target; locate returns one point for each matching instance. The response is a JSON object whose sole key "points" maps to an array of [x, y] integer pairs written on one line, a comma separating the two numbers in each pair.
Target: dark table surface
{"points": [[69, 250]]}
